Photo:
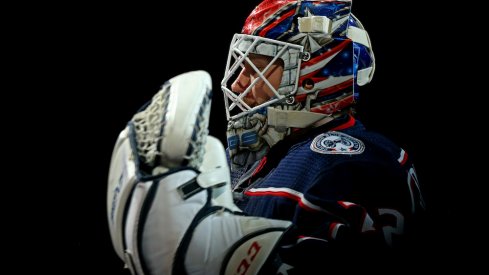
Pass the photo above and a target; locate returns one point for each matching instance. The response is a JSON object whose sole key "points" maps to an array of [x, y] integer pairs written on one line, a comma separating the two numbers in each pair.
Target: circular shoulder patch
{"points": [[337, 143]]}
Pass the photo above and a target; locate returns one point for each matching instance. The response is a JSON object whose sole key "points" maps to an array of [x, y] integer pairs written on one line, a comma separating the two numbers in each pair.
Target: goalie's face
{"points": [[260, 92]]}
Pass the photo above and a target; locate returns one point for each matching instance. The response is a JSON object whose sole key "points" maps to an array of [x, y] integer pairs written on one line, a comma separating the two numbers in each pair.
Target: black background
{"points": [[107, 61]]}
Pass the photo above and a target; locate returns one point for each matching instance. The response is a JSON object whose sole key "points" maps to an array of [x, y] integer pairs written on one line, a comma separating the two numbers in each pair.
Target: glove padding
{"points": [[180, 218]]}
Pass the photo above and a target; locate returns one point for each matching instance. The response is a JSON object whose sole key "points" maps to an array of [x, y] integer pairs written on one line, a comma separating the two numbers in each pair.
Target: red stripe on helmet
{"points": [[334, 107], [263, 12], [278, 21], [328, 91], [329, 53]]}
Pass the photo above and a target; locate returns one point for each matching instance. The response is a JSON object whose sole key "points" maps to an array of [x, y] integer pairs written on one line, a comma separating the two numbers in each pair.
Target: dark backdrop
{"points": [[112, 59]]}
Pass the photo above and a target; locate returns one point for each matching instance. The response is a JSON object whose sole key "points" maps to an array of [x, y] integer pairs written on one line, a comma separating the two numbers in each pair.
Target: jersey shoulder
{"points": [[354, 144]]}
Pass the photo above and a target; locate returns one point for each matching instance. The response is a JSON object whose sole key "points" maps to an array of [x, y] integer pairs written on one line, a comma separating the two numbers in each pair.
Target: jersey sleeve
{"points": [[354, 210]]}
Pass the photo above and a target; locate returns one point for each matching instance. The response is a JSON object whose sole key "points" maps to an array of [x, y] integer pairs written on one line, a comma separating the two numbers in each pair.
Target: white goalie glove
{"points": [[169, 203]]}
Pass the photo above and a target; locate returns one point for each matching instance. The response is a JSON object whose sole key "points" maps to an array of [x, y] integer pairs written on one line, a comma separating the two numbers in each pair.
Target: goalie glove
{"points": [[169, 202]]}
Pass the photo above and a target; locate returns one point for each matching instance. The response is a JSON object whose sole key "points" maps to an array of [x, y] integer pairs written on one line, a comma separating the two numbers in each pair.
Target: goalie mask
{"points": [[296, 64]]}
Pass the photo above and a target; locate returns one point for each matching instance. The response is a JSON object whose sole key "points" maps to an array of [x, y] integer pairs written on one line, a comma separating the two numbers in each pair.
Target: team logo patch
{"points": [[337, 143]]}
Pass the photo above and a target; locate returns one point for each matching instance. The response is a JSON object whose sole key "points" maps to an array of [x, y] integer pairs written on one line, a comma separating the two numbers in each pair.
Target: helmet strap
{"points": [[283, 119]]}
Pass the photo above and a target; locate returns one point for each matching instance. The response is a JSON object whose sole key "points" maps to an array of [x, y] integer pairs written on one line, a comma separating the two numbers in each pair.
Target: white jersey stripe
{"points": [[288, 193], [334, 232], [401, 159]]}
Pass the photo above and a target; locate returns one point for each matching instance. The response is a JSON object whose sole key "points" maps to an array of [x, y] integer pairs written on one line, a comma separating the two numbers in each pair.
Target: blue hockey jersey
{"points": [[337, 183]]}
